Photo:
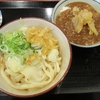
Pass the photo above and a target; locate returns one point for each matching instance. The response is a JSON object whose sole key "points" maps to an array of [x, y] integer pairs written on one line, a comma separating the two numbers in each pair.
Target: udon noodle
{"points": [[34, 68]]}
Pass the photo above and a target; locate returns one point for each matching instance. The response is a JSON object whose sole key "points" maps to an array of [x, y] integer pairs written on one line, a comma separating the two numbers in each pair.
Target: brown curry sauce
{"points": [[63, 21]]}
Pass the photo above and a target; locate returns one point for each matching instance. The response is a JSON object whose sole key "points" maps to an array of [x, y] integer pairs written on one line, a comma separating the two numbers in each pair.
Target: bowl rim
{"points": [[62, 77], [66, 1]]}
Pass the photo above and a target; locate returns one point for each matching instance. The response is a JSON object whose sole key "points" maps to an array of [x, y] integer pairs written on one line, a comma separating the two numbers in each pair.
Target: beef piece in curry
{"points": [[80, 22]]}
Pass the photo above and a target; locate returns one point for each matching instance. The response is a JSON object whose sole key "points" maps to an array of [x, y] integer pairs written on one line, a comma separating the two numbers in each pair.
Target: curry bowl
{"points": [[35, 57], [79, 20]]}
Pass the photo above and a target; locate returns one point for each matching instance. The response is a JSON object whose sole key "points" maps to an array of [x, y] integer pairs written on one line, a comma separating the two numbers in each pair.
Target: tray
{"points": [[84, 73], [27, 0]]}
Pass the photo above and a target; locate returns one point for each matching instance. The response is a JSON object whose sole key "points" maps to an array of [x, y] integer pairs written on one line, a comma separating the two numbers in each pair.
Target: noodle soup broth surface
{"points": [[64, 22]]}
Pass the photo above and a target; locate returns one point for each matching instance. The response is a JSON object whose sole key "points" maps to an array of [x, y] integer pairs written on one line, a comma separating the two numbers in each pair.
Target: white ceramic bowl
{"points": [[65, 50], [62, 3]]}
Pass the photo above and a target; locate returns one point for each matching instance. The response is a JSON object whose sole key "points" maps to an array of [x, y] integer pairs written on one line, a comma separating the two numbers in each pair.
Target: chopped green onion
{"points": [[4, 48]]}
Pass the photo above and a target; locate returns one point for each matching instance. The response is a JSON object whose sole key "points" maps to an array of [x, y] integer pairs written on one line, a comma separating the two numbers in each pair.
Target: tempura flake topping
{"points": [[81, 18]]}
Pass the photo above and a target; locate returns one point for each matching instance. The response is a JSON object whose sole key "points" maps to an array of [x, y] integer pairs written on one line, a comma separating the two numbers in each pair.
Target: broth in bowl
{"points": [[80, 22]]}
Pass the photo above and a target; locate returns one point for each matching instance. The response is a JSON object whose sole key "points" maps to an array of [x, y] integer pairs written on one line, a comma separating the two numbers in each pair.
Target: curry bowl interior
{"points": [[59, 6]]}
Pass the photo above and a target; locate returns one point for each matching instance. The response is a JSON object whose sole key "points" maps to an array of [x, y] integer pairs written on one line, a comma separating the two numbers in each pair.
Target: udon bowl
{"points": [[61, 6], [64, 47]]}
